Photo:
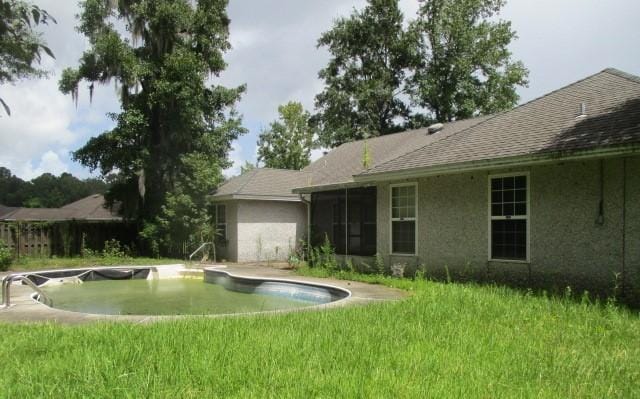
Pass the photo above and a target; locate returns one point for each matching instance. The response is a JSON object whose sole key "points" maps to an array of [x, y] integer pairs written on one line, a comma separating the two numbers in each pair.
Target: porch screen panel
{"points": [[328, 219], [361, 211], [347, 219]]}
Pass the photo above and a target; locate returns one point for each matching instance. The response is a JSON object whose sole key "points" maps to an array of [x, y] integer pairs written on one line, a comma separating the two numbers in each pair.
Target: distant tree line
{"points": [[46, 190]]}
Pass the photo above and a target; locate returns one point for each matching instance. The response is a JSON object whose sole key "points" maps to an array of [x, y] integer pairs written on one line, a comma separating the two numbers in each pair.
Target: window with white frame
{"points": [[403, 218], [509, 217], [220, 222]]}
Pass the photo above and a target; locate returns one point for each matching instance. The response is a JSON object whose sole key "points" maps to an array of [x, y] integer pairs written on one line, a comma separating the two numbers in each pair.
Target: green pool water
{"points": [[161, 297]]}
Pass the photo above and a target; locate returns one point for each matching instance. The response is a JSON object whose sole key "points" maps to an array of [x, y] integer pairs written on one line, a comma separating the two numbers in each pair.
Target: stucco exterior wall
{"points": [[567, 246], [268, 230]]}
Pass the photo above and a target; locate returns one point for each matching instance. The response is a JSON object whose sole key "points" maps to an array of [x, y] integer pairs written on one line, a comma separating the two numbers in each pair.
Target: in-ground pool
{"points": [[173, 291]]}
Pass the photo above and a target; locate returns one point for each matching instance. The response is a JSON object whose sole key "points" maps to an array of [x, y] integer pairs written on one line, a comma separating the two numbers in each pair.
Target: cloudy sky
{"points": [[274, 53]]}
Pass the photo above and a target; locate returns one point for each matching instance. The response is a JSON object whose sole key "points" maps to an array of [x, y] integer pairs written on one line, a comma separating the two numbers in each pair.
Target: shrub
{"points": [[89, 253], [378, 264], [324, 256], [113, 249], [6, 257]]}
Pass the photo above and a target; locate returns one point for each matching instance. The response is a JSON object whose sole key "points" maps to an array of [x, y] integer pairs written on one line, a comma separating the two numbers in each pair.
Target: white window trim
{"points": [[392, 219], [527, 218], [216, 224]]}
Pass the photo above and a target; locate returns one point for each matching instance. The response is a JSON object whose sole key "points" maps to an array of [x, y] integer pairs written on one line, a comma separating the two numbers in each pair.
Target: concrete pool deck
{"points": [[24, 309]]}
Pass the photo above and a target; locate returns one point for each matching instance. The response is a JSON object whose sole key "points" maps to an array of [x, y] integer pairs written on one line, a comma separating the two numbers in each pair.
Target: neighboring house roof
{"points": [[88, 209], [548, 127], [5, 210], [92, 207], [263, 184], [337, 168]]}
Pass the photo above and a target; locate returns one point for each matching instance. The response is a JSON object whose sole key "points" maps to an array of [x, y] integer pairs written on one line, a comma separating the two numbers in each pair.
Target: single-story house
{"points": [[547, 192], [86, 223], [258, 217]]}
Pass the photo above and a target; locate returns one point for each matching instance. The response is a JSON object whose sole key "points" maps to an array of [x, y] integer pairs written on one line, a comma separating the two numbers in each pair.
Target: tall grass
{"points": [[446, 340]]}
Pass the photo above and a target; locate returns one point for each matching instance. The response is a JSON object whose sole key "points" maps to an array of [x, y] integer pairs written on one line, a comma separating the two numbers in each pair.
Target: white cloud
{"points": [[40, 121], [49, 162]]}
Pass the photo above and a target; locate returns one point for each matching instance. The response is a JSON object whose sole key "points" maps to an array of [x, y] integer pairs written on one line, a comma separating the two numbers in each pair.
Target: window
{"points": [[403, 218], [509, 218], [220, 221]]}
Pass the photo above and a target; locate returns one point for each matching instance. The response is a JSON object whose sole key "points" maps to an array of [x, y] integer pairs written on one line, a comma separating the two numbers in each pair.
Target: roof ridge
{"points": [[249, 179], [417, 129], [623, 74], [279, 169]]}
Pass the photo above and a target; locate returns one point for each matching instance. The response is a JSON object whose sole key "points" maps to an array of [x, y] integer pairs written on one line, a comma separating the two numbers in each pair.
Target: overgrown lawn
{"points": [[445, 340]]}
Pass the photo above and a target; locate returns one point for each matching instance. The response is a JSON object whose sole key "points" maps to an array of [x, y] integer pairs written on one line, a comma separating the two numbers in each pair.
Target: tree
{"points": [[464, 66], [174, 130], [12, 188], [364, 80], [247, 167], [46, 190], [288, 141], [21, 47]]}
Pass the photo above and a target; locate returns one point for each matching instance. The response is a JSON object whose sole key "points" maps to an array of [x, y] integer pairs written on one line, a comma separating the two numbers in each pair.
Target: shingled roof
{"points": [[91, 208], [5, 210], [263, 184], [338, 167], [550, 126]]}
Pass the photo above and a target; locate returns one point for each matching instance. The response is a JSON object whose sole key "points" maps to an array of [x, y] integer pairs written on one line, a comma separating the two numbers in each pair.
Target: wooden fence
{"points": [[67, 238]]}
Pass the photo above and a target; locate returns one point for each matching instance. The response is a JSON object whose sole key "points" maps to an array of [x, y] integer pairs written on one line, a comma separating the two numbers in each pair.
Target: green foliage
{"points": [[452, 62], [21, 47], [324, 256], [365, 78], [366, 156], [378, 264], [296, 255], [6, 257], [288, 141], [247, 167], [113, 249], [46, 190], [172, 138], [464, 66]]}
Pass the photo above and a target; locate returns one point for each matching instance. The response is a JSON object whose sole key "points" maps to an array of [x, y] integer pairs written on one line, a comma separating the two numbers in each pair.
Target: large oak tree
{"points": [[173, 135]]}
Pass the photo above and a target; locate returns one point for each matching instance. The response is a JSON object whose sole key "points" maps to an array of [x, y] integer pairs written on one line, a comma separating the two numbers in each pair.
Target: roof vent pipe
{"points": [[583, 110], [436, 127]]}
